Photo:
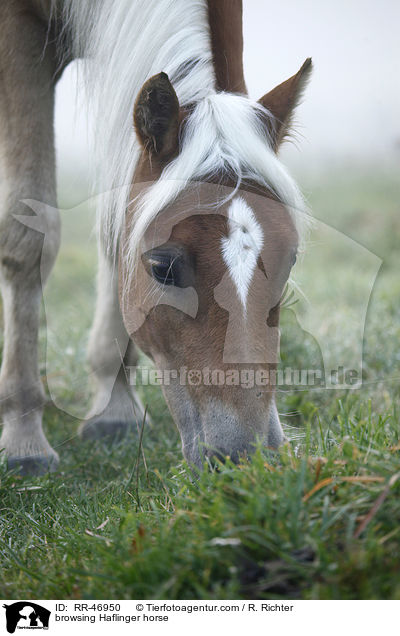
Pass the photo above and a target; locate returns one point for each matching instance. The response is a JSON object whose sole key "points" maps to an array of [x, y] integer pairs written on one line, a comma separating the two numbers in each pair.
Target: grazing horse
{"points": [[197, 214]]}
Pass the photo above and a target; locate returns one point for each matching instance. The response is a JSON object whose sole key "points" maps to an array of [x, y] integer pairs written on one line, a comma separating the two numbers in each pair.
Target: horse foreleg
{"points": [[116, 406], [27, 172]]}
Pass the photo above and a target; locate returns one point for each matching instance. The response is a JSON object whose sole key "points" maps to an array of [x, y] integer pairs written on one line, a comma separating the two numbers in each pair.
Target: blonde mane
{"points": [[123, 44]]}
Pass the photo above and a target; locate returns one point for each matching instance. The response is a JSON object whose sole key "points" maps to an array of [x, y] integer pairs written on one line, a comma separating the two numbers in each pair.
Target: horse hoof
{"points": [[36, 465], [98, 428]]}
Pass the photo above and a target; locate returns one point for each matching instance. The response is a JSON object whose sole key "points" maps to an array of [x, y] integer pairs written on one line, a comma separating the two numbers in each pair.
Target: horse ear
{"points": [[282, 101], [156, 116]]}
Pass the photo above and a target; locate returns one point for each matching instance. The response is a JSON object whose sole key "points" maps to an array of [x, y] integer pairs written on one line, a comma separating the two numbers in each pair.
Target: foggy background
{"points": [[350, 114]]}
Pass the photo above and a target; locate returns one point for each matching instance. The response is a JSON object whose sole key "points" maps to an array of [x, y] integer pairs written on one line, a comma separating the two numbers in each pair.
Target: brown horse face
{"points": [[201, 295], [204, 305]]}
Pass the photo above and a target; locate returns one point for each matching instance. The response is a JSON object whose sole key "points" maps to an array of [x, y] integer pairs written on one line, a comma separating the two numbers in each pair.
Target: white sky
{"points": [[351, 110]]}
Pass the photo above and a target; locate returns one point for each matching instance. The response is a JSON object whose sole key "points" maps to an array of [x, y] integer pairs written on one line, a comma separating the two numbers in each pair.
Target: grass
{"points": [[319, 519]]}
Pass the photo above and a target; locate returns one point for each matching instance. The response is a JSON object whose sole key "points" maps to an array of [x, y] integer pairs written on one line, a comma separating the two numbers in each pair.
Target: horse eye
{"points": [[169, 264], [163, 272]]}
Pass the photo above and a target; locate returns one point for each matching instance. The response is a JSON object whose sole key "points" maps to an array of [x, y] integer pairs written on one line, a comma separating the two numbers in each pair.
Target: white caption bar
{"points": [[176, 617]]}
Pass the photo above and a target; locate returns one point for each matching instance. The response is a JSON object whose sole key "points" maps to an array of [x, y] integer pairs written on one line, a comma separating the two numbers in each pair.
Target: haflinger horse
{"points": [[197, 214]]}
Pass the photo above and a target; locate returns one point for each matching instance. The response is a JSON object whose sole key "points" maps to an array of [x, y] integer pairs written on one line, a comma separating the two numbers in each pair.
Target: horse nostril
{"points": [[215, 458]]}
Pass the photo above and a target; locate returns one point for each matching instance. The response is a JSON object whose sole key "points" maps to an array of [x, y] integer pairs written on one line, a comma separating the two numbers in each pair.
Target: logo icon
{"points": [[26, 615]]}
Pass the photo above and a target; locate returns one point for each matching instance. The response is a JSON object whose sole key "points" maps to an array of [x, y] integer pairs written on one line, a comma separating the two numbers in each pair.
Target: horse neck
{"points": [[225, 17]]}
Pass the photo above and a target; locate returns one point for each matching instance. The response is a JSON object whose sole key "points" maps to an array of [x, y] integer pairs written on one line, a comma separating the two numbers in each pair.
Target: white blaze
{"points": [[242, 247]]}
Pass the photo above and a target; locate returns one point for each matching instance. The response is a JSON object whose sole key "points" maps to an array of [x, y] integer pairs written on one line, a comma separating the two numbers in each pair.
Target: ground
{"points": [[318, 519]]}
